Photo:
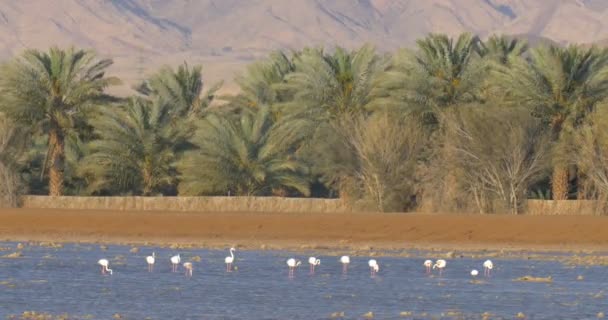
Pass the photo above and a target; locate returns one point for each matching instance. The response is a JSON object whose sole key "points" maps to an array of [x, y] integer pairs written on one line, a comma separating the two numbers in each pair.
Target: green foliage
{"points": [[54, 93], [325, 86], [181, 89], [440, 73], [560, 85], [251, 156], [258, 85], [455, 117], [136, 151], [59, 86], [500, 49]]}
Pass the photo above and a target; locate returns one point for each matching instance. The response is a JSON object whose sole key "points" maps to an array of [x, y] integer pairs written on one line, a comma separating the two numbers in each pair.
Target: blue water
{"points": [[67, 280]]}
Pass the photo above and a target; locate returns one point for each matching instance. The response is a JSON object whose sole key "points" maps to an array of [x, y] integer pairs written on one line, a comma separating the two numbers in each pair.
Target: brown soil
{"points": [[312, 231]]}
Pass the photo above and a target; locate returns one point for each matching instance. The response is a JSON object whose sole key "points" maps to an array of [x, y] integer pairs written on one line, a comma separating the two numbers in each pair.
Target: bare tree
{"points": [[386, 148], [592, 153], [500, 152]]}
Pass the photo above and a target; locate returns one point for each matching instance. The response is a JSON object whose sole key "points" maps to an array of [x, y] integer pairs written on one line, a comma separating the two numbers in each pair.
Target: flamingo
{"points": [[487, 267], [104, 263], [175, 262], [188, 267], [428, 264], [440, 264], [474, 273], [313, 262], [373, 267], [229, 260], [150, 260], [345, 260], [293, 264]]}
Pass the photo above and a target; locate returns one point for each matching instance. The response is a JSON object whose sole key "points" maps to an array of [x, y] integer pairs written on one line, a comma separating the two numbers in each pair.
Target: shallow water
{"points": [[67, 280]]}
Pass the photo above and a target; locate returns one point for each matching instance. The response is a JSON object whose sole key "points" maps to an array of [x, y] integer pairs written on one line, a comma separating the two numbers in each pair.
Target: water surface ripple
{"points": [[67, 280]]}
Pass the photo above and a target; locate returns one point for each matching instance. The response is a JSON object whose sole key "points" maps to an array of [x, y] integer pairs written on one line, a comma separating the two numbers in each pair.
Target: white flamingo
{"points": [[104, 263], [229, 260], [345, 260], [474, 273], [428, 264], [293, 264], [440, 264], [150, 260], [373, 267], [175, 260], [188, 267], [487, 267], [313, 263]]}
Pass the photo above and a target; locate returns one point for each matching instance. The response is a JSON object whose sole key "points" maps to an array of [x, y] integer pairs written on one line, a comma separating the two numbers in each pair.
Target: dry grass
{"points": [[563, 207], [198, 204], [266, 204]]}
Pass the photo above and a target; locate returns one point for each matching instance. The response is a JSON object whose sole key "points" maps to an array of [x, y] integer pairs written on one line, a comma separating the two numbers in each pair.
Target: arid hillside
{"points": [[224, 35]]}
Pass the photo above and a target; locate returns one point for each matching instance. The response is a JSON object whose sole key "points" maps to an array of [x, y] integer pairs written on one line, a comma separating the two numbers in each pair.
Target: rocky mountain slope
{"points": [[224, 35]]}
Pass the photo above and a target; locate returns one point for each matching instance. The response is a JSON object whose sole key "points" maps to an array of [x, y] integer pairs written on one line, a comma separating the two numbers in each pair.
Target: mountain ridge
{"points": [[224, 35]]}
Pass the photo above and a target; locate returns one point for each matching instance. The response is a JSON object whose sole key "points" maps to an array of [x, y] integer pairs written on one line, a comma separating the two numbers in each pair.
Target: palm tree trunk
{"points": [[559, 182], [147, 177], [57, 158]]}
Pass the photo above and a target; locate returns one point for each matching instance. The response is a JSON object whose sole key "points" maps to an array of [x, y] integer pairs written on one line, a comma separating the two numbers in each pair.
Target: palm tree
{"points": [[249, 156], [561, 86], [53, 92], [440, 73], [326, 86], [136, 150], [182, 89], [500, 49], [258, 85], [497, 51]]}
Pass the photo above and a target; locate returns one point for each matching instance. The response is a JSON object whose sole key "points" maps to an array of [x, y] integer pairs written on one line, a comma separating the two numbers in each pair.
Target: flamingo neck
{"points": [[232, 253]]}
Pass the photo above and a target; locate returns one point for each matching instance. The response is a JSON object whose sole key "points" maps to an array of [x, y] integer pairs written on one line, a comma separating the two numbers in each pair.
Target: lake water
{"points": [[68, 280]]}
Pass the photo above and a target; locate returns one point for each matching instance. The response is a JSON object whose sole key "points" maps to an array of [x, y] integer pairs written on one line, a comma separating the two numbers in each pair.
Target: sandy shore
{"points": [[369, 231]]}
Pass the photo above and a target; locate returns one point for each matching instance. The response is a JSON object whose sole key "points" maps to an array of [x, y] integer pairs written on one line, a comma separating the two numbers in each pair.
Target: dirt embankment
{"points": [[283, 230]]}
